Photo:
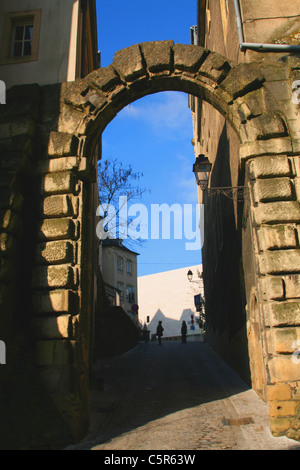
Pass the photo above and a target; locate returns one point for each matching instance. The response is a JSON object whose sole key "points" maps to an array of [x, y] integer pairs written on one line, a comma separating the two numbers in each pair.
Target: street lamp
{"points": [[202, 168]]}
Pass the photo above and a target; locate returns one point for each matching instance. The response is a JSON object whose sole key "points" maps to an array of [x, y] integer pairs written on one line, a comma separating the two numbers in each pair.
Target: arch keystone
{"points": [[158, 55]]}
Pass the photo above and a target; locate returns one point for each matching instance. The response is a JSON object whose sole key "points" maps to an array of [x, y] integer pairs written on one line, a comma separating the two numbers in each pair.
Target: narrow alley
{"points": [[176, 397]]}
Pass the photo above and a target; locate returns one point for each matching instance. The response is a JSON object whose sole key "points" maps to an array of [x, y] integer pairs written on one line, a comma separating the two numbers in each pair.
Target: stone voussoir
{"points": [[129, 63], [188, 58], [215, 67], [104, 79], [242, 79], [158, 55]]}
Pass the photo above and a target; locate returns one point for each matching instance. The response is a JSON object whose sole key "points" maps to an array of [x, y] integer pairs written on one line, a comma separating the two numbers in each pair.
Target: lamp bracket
{"points": [[232, 192]]}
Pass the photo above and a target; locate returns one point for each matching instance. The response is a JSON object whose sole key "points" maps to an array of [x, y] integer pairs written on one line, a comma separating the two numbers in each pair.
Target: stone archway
{"points": [[255, 99]]}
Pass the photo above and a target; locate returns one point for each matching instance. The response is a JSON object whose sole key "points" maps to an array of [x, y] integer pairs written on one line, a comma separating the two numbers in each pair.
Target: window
{"points": [[120, 264], [130, 294], [121, 289], [128, 267], [20, 41]]}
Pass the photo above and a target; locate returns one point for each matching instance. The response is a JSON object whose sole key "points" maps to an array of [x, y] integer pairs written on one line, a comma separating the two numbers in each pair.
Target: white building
{"points": [[47, 41], [169, 296]]}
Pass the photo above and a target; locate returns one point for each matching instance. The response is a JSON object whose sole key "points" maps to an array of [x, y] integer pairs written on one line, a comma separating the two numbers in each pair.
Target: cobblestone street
{"points": [[176, 397]]}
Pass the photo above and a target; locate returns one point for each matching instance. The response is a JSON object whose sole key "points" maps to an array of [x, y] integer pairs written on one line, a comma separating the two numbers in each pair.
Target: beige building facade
{"points": [[47, 42], [118, 265], [170, 297]]}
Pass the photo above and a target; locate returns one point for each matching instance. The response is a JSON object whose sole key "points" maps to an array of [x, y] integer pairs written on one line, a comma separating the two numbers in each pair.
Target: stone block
{"points": [[275, 237], [52, 327], [55, 301], [8, 245], [58, 183], [216, 68], [243, 78], [7, 269], [11, 200], [62, 143], [283, 408], [62, 276], [23, 125], [10, 222], [72, 93], [268, 126], [283, 314], [129, 63], [57, 229], [283, 369], [279, 392], [158, 55], [273, 189], [55, 165], [52, 353], [292, 286], [56, 252], [96, 98], [57, 206], [104, 78], [280, 261], [272, 288], [279, 426], [188, 58], [297, 187], [286, 340], [277, 212], [260, 148]]}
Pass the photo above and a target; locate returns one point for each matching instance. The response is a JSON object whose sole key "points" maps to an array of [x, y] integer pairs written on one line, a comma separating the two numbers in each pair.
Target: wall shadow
{"points": [[151, 382]]}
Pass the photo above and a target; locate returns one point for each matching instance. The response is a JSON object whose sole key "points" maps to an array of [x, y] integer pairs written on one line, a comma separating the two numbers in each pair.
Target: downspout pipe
{"points": [[258, 46]]}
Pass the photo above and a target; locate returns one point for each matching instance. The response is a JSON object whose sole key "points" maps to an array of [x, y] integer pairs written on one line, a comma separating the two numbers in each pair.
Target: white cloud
{"points": [[167, 113]]}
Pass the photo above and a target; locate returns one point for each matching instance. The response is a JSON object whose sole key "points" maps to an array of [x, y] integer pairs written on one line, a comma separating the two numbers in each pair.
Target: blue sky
{"points": [[154, 133]]}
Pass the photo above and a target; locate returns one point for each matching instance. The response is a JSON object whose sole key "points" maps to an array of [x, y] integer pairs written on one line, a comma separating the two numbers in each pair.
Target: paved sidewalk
{"points": [[176, 397]]}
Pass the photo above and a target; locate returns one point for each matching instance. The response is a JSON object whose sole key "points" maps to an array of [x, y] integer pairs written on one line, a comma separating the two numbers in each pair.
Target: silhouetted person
{"points": [[183, 332], [159, 331], [145, 333]]}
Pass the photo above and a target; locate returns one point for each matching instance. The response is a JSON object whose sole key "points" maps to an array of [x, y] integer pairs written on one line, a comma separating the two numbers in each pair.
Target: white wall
{"points": [[169, 297], [57, 45]]}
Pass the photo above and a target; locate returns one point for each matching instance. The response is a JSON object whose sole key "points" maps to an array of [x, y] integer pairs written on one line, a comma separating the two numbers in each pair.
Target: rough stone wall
{"points": [[256, 100], [275, 218]]}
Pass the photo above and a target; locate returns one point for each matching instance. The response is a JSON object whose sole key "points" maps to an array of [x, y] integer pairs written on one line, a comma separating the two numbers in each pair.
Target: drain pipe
{"points": [[257, 46]]}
